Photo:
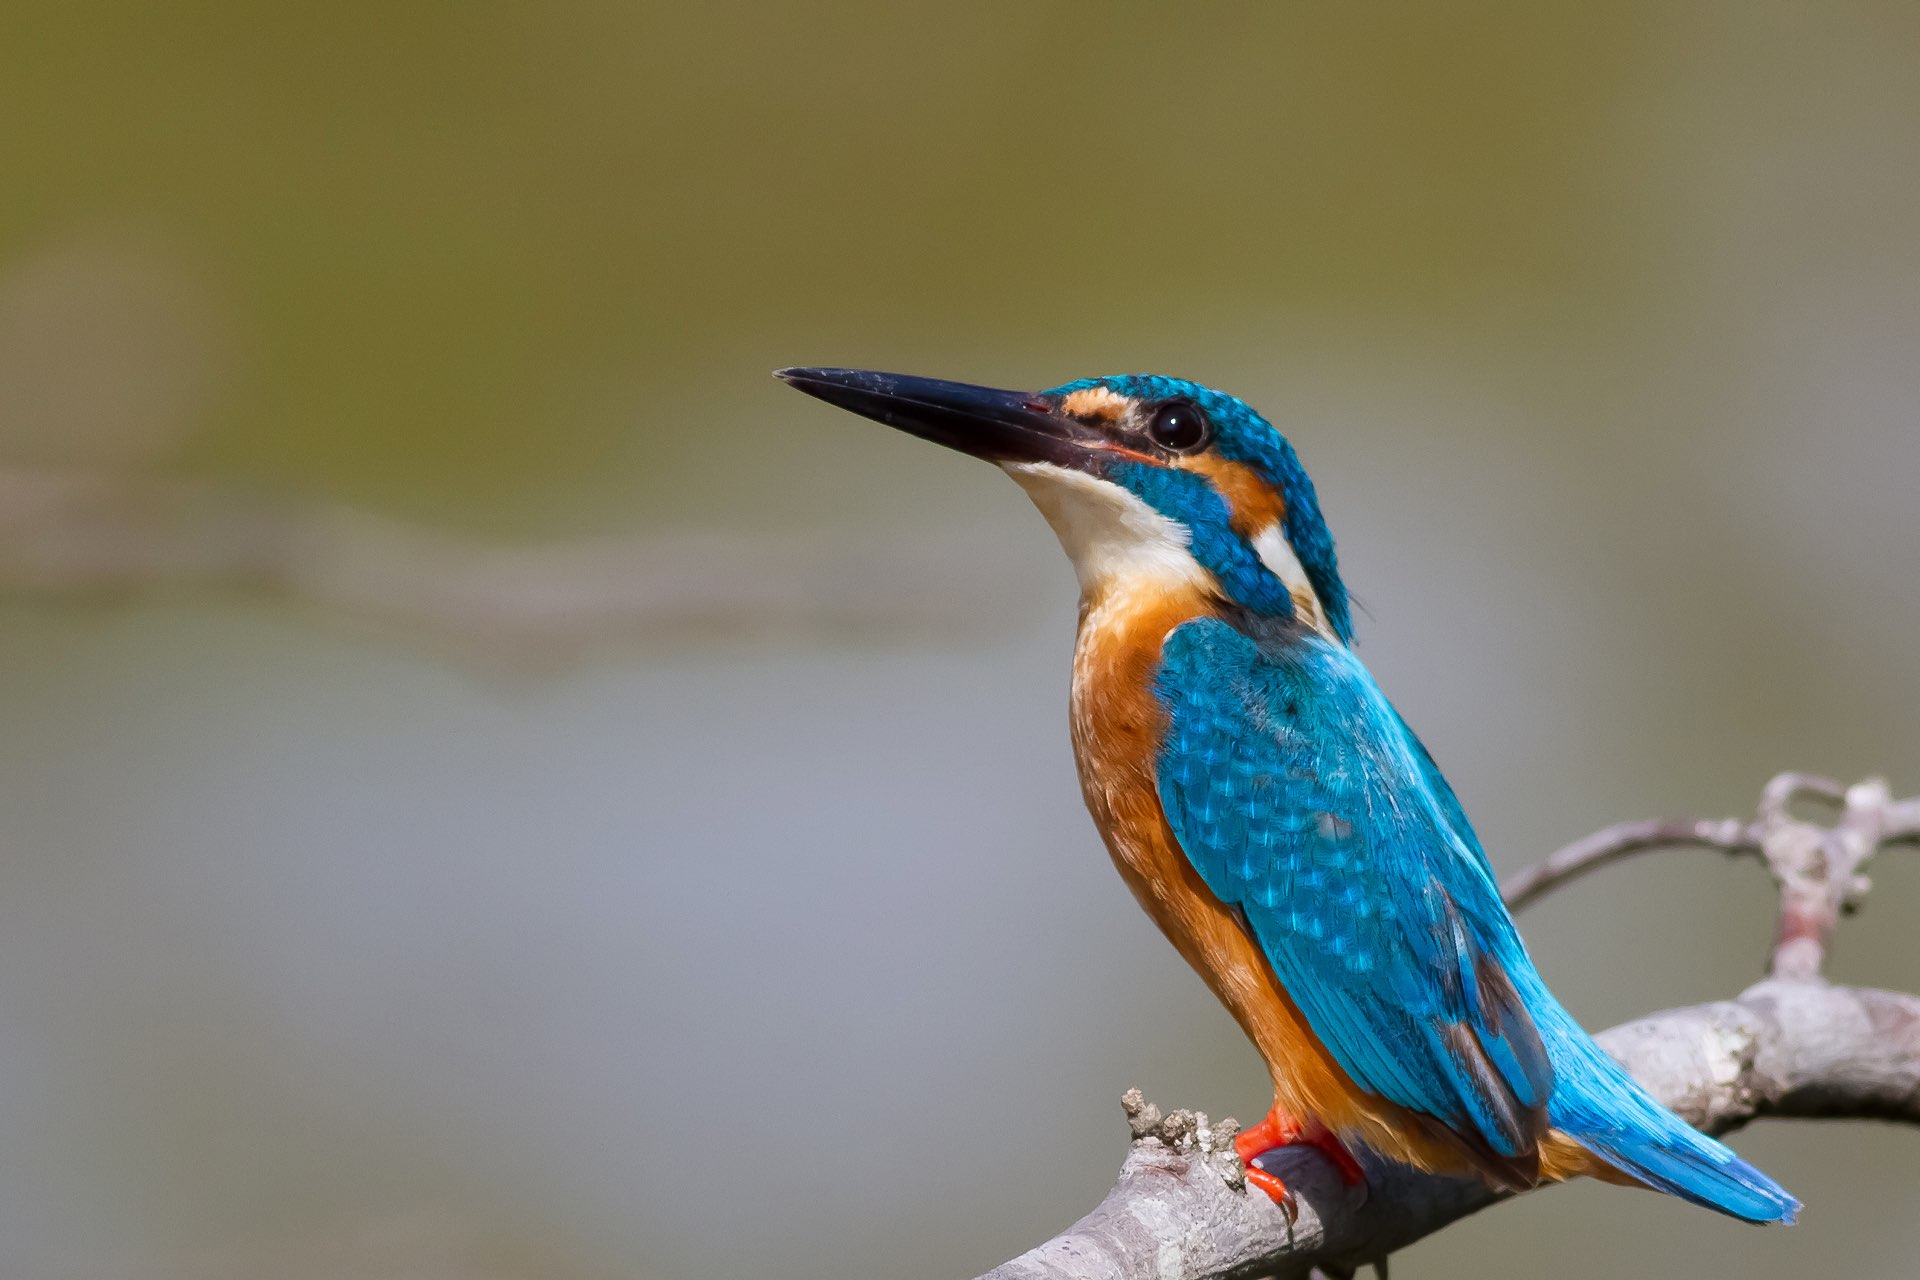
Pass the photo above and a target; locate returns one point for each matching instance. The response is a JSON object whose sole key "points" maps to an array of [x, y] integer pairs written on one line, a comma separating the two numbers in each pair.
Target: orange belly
{"points": [[1117, 727]]}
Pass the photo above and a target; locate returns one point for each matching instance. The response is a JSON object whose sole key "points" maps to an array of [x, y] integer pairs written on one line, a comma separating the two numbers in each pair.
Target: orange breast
{"points": [[1118, 726]]}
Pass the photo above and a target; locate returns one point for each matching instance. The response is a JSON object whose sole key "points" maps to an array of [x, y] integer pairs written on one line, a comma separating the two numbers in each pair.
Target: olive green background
{"points": [[327, 953]]}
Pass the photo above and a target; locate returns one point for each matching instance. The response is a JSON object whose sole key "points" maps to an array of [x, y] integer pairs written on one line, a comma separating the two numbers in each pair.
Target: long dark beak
{"points": [[1000, 426]]}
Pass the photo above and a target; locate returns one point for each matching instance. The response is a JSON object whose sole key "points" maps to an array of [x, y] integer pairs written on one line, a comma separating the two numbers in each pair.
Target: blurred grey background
{"points": [[493, 786]]}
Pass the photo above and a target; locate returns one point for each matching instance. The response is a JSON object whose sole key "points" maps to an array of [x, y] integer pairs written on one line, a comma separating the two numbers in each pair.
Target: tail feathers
{"points": [[1598, 1105], [1695, 1167]]}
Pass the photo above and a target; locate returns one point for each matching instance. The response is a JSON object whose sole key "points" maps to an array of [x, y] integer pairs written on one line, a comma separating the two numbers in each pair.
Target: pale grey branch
{"points": [[1793, 1046], [1802, 1049]]}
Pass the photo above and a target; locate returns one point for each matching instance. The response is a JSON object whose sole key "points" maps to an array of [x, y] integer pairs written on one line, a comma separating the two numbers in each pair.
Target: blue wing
{"points": [[1302, 799]]}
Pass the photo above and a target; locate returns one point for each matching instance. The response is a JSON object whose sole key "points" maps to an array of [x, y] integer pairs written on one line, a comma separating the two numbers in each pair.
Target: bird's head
{"points": [[1147, 480]]}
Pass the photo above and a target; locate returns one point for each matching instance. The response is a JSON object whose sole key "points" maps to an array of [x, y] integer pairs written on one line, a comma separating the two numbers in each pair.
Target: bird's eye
{"points": [[1178, 425]]}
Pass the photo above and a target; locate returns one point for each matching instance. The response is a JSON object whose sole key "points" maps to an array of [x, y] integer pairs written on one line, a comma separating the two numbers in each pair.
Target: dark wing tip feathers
{"points": [[1508, 1031], [1509, 1132], [1501, 1074]]}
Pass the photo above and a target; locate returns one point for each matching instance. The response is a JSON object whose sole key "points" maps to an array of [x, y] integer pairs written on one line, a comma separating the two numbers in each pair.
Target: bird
{"points": [[1278, 819]]}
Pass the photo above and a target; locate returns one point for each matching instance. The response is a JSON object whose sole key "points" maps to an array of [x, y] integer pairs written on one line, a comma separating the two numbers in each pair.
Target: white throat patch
{"points": [[1113, 538]]}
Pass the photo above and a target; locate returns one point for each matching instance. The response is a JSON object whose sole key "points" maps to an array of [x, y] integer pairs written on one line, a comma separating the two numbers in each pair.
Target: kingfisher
{"points": [[1278, 819]]}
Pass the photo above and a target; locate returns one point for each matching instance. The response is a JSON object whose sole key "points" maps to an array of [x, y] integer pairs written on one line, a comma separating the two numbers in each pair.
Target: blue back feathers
{"points": [[1242, 436], [1289, 785], [1303, 800]]}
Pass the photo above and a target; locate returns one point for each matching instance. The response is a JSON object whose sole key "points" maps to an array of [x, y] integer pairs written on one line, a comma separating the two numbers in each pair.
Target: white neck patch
{"points": [[1277, 554], [1113, 538]]}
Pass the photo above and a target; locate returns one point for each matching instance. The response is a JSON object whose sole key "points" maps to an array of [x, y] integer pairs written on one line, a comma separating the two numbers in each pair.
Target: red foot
{"points": [[1277, 1130], [1281, 1130]]}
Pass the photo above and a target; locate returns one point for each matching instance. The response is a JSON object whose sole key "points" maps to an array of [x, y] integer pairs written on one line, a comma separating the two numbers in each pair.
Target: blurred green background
{"points": [[349, 928]]}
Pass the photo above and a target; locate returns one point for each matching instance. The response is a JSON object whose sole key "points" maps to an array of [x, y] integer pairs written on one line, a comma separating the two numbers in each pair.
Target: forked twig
{"points": [[1819, 869]]}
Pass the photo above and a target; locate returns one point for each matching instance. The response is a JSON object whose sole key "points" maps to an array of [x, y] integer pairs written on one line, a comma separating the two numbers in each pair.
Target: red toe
{"points": [[1276, 1190]]}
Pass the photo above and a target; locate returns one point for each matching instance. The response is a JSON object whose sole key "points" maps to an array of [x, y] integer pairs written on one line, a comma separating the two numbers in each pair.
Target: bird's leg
{"points": [[1282, 1130]]}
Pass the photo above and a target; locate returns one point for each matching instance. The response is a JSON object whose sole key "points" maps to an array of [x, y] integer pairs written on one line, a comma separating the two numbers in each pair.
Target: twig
{"points": [[1524, 888]]}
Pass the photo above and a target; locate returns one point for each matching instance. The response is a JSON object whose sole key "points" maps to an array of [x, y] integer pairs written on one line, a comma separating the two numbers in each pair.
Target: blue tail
{"points": [[1697, 1169], [1596, 1103]]}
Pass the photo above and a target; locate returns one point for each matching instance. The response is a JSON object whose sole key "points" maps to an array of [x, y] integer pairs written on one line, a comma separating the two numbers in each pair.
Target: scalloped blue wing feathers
{"points": [[1290, 786], [1302, 799]]}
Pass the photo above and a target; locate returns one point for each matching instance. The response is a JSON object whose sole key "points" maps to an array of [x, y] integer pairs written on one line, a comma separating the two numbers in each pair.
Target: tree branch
{"points": [[88, 534], [1793, 1045]]}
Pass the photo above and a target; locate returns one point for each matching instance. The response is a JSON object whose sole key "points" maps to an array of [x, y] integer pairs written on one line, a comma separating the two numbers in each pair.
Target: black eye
{"points": [[1178, 425]]}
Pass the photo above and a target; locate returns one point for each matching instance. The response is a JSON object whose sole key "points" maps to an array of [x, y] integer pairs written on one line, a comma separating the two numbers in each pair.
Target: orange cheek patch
{"points": [[1256, 505], [1094, 404]]}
